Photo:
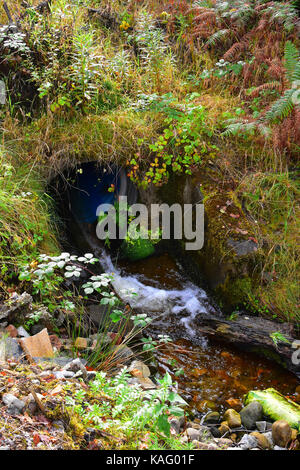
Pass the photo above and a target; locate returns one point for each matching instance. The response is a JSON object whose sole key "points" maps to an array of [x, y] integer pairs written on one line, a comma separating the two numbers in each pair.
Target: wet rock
{"points": [[14, 405], [233, 418], [212, 418], [281, 433], [251, 414], [247, 442], [235, 404], [262, 440], [263, 426], [139, 369]]}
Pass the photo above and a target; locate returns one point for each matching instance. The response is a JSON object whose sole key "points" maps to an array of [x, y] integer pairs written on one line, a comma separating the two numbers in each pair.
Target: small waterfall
{"points": [[181, 305]]}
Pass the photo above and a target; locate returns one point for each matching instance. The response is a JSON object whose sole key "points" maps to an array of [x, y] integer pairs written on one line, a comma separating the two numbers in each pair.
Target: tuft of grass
{"points": [[24, 215]]}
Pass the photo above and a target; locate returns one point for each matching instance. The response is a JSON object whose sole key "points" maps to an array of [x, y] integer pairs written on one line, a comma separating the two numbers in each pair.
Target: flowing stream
{"points": [[208, 374]]}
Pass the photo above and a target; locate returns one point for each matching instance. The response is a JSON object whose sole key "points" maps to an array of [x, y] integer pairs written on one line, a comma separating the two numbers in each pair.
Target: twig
{"points": [[38, 401]]}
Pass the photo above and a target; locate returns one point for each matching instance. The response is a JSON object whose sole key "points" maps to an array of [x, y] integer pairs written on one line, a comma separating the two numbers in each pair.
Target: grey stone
{"points": [[68, 374], [251, 414], [99, 317], [263, 426], [22, 332], [201, 434], [62, 360], [37, 328], [50, 363], [242, 248], [193, 434], [175, 425], [14, 405], [59, 374], [78, 374], [247, 442], [10, 348], [76, 366], [279, 448]]}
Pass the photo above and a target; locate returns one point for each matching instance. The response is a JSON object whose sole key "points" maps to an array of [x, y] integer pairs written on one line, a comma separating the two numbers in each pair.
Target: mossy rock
{"points": [[229, 258], [135, 250]]}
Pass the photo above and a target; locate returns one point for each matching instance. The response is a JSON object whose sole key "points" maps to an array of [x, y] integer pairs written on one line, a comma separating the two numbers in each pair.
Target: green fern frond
{"points": [[239, 127], [296, 73], [291, 58], [282, 108], [217, 37]]}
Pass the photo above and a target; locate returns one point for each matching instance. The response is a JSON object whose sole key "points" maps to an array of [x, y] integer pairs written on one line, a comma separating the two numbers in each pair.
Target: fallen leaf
{"points": [[243, 232], [36, 438], [58, 389]]}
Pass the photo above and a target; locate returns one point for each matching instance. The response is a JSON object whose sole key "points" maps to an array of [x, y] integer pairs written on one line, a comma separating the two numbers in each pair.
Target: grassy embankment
{"points": [[85, 85]]}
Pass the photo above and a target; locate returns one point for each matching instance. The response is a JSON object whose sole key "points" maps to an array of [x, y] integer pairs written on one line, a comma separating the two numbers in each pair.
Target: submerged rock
{"points": [[212, 418]]}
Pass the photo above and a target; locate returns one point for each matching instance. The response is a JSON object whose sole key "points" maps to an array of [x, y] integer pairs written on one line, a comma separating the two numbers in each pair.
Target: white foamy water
{"points": [[185, 303]]}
